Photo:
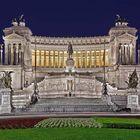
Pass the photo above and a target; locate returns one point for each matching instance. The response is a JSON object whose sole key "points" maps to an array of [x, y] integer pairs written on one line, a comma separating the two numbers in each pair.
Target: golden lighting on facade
{"points": [[82, 58]]}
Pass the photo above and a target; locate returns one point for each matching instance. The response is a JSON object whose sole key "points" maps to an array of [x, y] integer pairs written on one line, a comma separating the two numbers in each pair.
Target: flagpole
{"points": [[34, 97], [35, 82], [35, 62], [104, 69], [104, 63]]}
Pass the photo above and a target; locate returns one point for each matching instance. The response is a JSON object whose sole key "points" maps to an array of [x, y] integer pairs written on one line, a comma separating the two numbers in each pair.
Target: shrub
{"points": [[119, 123]]}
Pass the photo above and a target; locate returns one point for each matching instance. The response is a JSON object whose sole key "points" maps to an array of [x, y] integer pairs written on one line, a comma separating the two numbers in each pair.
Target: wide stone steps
{"points": [[66, 103], [19, 100], [69, 105], [119, 100], [70, 101], [70, 108]]}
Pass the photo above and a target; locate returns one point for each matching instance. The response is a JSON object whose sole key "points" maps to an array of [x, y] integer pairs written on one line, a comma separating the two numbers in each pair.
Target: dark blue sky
{"points": [[69, 17]]}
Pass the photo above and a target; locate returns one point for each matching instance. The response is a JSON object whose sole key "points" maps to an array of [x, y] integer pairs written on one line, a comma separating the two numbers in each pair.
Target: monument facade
{"points": [[69, 68]]}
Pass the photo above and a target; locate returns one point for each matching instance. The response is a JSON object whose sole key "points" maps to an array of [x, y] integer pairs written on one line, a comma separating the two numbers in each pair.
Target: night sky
{"points": [[69, 18]]}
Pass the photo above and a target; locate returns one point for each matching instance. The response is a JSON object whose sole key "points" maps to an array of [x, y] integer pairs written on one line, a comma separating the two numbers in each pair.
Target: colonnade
{"points": [[125, 54], [12, 54], [82, 58]]}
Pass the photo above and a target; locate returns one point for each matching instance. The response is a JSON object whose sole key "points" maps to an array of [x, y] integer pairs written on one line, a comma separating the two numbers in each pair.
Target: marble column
{"points": [[63, 60], [12, 54], [133, 55], [40, 57], [3, 54], [6, 53], [16, 55], [90, 59], [81, 59], [122, 54], [76, 63], [44, 58], [2, 47], [94, 58], [85, 58], [49, 59], [99, 58], [125, 54], [53, 59], [128, 54], [58, 59], [19, 54], [9, 54]]}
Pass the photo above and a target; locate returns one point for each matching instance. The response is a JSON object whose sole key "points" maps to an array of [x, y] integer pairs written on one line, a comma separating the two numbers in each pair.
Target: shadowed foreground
{"points": [[69, 134]]}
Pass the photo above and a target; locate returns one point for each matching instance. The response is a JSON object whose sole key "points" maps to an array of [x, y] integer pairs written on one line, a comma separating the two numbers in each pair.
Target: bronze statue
{"points": [[120, 19], [14, 20], [133, 80], [70, 50], [5, 81], [21, 19]]}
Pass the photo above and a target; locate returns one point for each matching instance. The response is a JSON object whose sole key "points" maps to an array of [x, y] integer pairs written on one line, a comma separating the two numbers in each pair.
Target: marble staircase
{"points": [[80, 102], [20, 99], [69, 105]]}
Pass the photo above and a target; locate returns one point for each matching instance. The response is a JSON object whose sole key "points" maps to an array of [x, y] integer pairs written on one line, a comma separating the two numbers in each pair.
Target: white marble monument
{"points": [[53, 62]]}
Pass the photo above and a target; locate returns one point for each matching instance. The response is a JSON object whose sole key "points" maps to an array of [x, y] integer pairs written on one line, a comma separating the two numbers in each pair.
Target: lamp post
{"points": [[35, 82], [34, 97], [104, 91]]}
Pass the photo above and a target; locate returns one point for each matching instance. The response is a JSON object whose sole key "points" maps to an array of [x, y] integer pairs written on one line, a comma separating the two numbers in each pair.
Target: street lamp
{"points": [[34, 97], [104, 91]]}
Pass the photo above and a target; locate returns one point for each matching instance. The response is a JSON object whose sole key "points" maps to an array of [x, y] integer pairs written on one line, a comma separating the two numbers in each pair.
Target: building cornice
{"points": [[73, 40]]}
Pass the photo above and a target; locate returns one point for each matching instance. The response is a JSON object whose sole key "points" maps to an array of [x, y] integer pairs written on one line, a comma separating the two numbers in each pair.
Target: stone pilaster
{"points": [[133, 100], [5, 105]]}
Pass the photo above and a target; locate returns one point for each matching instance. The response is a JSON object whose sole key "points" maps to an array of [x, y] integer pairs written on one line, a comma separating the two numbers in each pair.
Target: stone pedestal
{"points": [[70, 65], [5, 100], [133, 100]]}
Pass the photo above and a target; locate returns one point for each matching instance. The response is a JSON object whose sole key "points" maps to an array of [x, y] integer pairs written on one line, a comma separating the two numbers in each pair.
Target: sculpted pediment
{"points": [[127, 36], [13, 36]]}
